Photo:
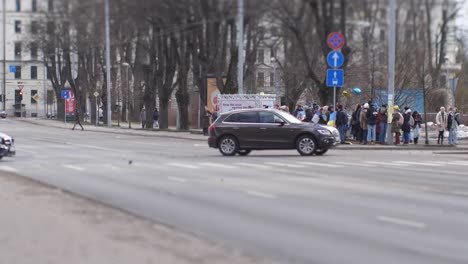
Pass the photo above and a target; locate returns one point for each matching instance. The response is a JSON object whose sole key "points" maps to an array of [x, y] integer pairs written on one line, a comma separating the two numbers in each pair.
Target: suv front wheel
{"points": [[228, 146], [306, 145]]}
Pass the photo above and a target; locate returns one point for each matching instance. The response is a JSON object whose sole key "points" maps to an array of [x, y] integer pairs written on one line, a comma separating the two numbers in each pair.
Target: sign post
{"points": [[36, 98], [65, 96], [335, 59]]}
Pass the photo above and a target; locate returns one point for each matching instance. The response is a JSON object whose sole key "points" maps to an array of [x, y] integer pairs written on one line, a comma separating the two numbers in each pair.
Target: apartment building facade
{"points": [[25, 86]]}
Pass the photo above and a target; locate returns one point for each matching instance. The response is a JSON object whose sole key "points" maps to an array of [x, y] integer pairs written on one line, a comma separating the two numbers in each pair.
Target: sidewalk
{"points": [[41, 224], [198, 136]]}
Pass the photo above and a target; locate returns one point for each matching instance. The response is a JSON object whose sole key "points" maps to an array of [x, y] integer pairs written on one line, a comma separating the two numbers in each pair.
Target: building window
{"points": [[260, 79], [18, 5], [51, 5], [50, 27], [383, 13], [382, 35], [34, 27], [48, 74], [18, 72], [34, 51], [261, 56], [33, 93], [17, 26], [34, 72], [34, 5], [18, 50]]}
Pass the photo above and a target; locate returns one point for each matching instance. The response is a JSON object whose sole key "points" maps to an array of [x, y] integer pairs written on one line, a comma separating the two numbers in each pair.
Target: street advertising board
{"points": [[70, 104], [230, 102], [212, 92]]}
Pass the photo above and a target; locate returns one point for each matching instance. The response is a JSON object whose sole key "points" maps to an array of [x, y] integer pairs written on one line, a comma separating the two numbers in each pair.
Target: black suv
{"points": [[241, 131]]}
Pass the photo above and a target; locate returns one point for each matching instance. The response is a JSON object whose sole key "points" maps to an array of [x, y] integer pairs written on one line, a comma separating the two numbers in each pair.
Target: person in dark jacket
{"points": [[383, 123], [371, 118], [324, 116], [156, 118], [77, 120], [309, 114], [406, 127], [206, 121], [355, 125], [416, 127], [342, 123]]}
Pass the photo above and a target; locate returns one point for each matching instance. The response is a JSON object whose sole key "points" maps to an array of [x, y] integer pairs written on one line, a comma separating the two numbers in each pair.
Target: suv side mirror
{"points": [[280, 122]]}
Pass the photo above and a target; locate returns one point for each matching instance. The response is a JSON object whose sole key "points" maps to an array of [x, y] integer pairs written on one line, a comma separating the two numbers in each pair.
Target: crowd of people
{"points": [[369, 122]]}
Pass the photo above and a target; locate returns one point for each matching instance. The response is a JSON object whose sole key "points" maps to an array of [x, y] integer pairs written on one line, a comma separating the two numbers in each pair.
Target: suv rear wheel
{"points": [[228, 146], [306, 145]]}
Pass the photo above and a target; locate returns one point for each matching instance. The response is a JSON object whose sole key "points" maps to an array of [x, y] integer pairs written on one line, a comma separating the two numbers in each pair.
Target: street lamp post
{"points": [[273, 62], [108, 65], [391, 66]]}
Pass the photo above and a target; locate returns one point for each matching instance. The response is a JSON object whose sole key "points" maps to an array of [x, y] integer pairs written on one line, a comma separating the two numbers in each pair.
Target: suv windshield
{"points": [[290, 118]]}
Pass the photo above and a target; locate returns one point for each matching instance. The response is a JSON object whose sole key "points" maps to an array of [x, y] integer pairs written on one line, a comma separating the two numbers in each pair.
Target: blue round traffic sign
{"points": [[335, 59]]}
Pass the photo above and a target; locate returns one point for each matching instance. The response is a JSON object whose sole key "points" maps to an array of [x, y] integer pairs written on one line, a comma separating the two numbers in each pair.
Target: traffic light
{"points": [[20, 95]]}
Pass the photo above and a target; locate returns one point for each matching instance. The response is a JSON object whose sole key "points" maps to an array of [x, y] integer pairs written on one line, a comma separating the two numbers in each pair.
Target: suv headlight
{"points": [[324, 132]]}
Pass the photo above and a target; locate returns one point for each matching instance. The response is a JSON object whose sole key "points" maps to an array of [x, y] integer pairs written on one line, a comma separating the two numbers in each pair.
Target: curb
{"points": [[122, 132]]}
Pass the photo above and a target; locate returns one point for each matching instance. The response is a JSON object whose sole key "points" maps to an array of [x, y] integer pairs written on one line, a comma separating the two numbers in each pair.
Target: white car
{"points": [[7, 146]]}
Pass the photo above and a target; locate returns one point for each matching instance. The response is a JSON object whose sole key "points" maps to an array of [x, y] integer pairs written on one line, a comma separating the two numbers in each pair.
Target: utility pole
{"points": [[391, 68], [108, 65], [4, 55], [240, 63]]}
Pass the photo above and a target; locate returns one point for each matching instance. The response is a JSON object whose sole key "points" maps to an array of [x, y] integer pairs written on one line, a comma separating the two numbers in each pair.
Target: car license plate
{"points": [[12, 149]]}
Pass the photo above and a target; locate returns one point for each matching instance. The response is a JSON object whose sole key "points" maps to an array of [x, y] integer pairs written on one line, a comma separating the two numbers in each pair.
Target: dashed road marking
{"points": [[386, 163], [403, 222], [328, 165], [418, 163], [358, 164], [216, 165], [252, 165], [288, 165], [182, 165], [260, 194], [180, 180], [73, 167]]}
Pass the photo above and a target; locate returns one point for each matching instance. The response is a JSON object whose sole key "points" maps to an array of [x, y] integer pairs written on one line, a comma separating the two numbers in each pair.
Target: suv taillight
{"points": [[212, 129]]}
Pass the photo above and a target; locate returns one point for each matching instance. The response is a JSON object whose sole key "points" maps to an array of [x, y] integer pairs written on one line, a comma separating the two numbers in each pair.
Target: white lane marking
{"points": [[260, 194], [358, 164], [389, 163], [403, 222], [454, 162], [418, 163], [180, 180], [252, 165], [8, 169], [320, 164], [181, 165], [216, 165], [112, 167], [97, 148], [73, 167], [284, 165]]}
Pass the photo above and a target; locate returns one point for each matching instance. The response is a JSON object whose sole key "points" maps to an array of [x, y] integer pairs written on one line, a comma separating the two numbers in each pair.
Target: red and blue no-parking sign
{"points": [[335, 40]]}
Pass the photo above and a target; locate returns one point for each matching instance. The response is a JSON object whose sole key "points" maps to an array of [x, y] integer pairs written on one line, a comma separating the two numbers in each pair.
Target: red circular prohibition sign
{"points": [[335, 40]]}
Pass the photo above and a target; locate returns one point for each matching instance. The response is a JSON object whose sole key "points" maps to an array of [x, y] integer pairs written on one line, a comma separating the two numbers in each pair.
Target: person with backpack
{"points": [[397, 121], [77, 120], [408, 121], [371, 117], [342, 123], [383, 118]]}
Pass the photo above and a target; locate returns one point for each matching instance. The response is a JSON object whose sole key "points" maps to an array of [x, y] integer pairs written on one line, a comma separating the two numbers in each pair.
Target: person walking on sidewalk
{"points": [[441, 121], [77, 120], [416, 127], [156, 118], [408, 122], [458, 123], [396, 124], [363, 121], [383, 117], [342, 123], [143, 117]]}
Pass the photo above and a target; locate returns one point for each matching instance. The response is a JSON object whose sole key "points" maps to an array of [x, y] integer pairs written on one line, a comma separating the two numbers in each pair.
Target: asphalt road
{"points": [[345, 207]]}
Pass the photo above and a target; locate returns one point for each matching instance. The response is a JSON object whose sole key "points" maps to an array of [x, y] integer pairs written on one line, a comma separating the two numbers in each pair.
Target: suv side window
{"points": [[246, 117], [269, 118]]}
